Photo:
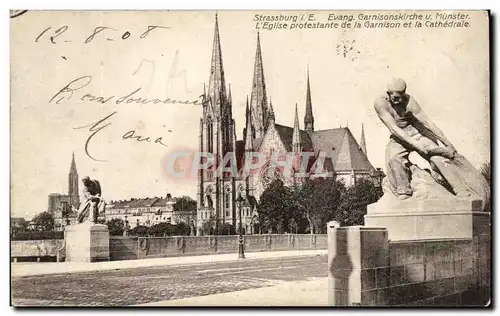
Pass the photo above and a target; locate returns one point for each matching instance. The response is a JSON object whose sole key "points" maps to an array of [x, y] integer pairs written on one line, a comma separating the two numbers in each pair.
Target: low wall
{"points": [[366, 269], [35, 249], [440, 272], [126, 248]]}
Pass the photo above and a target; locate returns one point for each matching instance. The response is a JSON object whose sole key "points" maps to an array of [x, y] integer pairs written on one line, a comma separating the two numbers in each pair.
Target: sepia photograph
{"points": [[199, 158]]}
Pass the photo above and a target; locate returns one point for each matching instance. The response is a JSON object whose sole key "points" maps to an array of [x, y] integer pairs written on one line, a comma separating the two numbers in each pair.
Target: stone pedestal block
{"points": [[87, 242], [358, 256], [430, 219]]}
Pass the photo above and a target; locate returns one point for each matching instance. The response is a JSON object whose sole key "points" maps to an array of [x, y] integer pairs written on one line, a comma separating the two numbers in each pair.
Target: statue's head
{"points": [[86, 180], [396, 90]]}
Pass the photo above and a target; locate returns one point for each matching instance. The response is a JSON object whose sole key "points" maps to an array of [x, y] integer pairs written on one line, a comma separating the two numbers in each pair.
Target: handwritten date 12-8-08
{"points": [[110, 34]]}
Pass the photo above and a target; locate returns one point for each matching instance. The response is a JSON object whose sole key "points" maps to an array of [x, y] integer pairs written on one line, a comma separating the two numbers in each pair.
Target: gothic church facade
{"points": [[217, 194]]}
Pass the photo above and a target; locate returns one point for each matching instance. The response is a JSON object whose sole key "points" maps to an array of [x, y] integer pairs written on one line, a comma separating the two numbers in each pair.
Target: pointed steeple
{"points": [[248, 129], [258, 98], [73, 183], [362, 141], [217, 83], [72, 168], [296, 132], [308, 118], [271, 117]]}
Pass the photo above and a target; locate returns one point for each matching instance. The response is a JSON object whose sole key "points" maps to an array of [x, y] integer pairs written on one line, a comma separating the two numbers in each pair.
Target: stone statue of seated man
{"points": [[89, 209]]}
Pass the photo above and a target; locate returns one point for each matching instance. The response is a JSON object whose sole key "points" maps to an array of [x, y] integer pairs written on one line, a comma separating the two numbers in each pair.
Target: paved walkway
{"points": [[313, 292], [32, 269]]}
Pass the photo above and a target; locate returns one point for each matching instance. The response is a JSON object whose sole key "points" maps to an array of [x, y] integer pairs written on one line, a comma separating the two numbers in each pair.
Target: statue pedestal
{"points": [[87, 242], [429, 219]]}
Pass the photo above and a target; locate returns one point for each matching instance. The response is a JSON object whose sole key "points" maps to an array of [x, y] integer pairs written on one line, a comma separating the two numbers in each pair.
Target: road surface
{"points": [[144, 285]]}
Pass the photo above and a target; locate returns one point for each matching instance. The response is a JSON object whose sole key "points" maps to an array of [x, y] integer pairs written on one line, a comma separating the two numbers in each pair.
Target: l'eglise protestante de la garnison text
{"points": [[325, 20]]}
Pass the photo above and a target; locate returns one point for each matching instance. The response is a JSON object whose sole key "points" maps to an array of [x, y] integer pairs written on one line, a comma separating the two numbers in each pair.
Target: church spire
{"points": [[248, 129], [271, 118], [258, 98], [217, 84], [72, 168], [362, 141], [73, 183], [296, 132], [308, 118]]}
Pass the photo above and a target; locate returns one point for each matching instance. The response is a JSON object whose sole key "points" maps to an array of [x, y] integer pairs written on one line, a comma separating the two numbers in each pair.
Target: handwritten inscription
{"points": [[131, 135], [67, 92], [95, 128], [98, 126], [109, 33]]}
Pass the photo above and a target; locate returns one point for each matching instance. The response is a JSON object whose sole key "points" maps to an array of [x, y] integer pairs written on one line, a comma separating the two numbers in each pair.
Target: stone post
{"points": [[87, 242], [355, 255]]}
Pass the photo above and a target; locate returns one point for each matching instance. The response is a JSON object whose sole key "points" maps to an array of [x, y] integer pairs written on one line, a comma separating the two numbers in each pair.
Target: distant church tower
{"points": [[73, 184]]}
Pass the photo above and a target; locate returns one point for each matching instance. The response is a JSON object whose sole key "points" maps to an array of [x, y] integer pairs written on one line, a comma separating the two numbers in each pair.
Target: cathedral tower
{"points": [[73, 184]]}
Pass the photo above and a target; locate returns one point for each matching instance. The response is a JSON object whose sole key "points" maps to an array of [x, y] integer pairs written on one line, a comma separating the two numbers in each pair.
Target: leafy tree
{"points": [[18, 225], [276, 207], [185, 211], [101, 221], [227, 229], [208, 226], [44, 221], [139, 231], [184, 203], [354, 201], [116, 226], [182, 229], [161, 230], [318, 199]]}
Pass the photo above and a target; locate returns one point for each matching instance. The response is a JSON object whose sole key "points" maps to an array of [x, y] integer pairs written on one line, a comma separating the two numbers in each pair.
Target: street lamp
{"points": [[241, 250]]}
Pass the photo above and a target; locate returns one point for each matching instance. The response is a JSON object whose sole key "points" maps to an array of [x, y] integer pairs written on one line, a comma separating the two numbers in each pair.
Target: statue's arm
{"points": [[382, 110], [420, 115]]}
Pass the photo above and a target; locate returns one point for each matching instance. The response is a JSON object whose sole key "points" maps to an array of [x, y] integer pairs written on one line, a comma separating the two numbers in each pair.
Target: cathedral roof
{"points": [[340, 145], [286, 135]]}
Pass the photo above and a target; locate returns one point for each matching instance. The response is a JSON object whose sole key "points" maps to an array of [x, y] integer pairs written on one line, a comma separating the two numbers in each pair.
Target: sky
{"points": [[446, 69]]}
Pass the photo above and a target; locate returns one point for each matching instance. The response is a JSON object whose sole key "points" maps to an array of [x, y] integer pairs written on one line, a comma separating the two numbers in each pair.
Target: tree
{"points": [[162, 230], [139, 231], [317, 200], [185, 211], [276, 207], [208, 226], [18, 225], [354, 201], [227, 229], [184, 203], [116, 226], [182, 229], [44, 221]]}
